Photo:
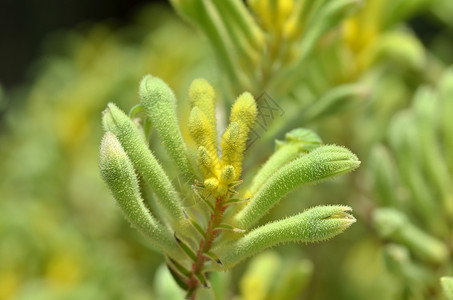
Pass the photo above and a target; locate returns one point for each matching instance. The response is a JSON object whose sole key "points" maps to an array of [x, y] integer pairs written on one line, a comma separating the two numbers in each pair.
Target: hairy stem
{"points": [[205, 246]]}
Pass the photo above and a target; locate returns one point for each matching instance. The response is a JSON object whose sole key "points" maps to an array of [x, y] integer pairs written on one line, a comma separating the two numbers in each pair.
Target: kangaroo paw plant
{"points": [[210, 224]]}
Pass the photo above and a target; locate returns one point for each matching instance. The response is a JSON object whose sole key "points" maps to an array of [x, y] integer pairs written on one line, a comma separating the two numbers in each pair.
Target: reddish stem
{"points": [[205, 245]]}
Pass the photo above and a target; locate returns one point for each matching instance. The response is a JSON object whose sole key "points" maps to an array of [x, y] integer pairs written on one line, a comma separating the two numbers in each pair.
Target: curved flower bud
{"points": [[297, 141], [315, 224], [159, 102], [322, 163], [119, 174], [145, 163]]}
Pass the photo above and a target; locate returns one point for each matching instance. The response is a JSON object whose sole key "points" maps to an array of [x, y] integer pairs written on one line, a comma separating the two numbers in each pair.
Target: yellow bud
{"points": [[207, 163], [230, 144], [202, 95], [284, 9], [201, 131], [222, 189], [211, 184], [244, 110], [262, 9], [227, 175]]}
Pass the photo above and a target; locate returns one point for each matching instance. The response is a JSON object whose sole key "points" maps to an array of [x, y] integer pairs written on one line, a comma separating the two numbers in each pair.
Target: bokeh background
{"points": [[61, 235]]}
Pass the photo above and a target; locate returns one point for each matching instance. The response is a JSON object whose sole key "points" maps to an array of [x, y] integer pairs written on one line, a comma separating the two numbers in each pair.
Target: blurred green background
{"points": [[61, 235]]}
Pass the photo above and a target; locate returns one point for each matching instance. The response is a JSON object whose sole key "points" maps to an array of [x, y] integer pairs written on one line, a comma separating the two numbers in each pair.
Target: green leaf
{"points": [[229, 228], [178, 278], [190, 253], [214, 258], [180, 268]]}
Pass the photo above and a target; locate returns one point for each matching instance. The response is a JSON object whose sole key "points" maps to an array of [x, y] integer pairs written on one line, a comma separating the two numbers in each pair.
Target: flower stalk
{"points": [[197, 237]]}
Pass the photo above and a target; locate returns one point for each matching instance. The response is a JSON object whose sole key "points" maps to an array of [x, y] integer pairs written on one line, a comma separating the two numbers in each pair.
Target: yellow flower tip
{"points": [[199, 126], [222, 190], [202, 132], [244, 110], [207, 162], [289, 29], [200, 90], [230, 142], [211, 184], [227, 175]]}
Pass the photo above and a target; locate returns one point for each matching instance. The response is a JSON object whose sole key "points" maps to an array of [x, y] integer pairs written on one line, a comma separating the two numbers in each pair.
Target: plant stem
{"points": [[204, 247]]}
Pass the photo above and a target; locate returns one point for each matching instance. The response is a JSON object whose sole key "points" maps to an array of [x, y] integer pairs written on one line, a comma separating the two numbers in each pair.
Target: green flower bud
{"points": [[119, 174], [145, 163], [159, 102], [313, 225], [320, 164], [297, 141]]}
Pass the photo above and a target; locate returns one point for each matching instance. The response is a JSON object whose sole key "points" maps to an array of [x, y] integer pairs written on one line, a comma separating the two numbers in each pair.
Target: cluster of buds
{"points": [[209, 224]]}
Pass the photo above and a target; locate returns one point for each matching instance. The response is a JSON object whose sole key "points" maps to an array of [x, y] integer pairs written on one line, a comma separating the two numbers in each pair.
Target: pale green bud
{"points": [[320, 164], [313, 225], [297, 141], [119, 174], [159, 102], [145, 163]]}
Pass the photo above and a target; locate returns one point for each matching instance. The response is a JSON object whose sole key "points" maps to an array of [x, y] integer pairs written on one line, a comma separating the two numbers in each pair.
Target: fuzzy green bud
{"points": [[159, 102], [119, 174], [320, 164], [313, 225], [145, 163], [297, 141]]}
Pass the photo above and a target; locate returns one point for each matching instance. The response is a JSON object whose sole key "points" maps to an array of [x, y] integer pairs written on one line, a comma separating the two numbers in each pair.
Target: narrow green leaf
{"points": [[136, 109], [229, 228], [178, 278], [202, 279], [235, 201], [204, 199], [186, 249], [214, 258], [180, 268], [195, 224], [235, 184]]}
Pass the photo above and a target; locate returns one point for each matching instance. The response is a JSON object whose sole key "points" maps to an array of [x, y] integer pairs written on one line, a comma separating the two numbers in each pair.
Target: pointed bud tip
{"points": [[110, 147]]}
